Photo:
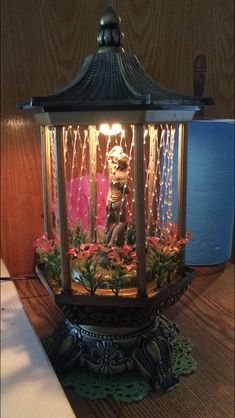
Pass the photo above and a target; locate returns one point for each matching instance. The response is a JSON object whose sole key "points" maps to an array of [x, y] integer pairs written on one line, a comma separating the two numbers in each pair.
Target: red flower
{"points": [[167, 242], [126, 249], [88, 249]]}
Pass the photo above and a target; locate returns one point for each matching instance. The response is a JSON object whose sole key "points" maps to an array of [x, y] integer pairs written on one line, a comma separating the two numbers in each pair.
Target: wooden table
{"points": [[205, 316]]}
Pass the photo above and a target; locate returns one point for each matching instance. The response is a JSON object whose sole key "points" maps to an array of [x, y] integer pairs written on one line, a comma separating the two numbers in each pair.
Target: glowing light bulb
{"points": [[114, 129]]}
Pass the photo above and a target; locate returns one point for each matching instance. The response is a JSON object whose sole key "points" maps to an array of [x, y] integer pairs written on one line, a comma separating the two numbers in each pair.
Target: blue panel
{"points": [[210, 191]]}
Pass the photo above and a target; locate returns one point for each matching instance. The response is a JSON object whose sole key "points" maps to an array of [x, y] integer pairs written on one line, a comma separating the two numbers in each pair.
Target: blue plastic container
{"points": [[210, 191]]}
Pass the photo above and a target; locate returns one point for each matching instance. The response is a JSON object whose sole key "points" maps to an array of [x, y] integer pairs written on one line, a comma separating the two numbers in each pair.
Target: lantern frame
{"points": [[111, 86], [115, 309]]}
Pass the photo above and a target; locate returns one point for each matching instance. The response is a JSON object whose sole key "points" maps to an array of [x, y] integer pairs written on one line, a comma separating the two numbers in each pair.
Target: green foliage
{"points": [[52, 263], [118, 274], [77, 235], [86, 273], [163, 265]]}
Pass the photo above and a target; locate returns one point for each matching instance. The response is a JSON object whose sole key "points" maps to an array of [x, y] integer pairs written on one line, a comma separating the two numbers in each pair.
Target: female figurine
{"points": [[116, 202]]}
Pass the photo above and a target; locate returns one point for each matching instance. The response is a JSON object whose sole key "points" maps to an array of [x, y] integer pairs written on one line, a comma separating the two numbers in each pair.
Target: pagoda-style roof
{"points": [[111, 79]]}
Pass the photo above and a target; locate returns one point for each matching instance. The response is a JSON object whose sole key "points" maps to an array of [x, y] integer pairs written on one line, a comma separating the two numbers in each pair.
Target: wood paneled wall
{"points": [[44, 42]]}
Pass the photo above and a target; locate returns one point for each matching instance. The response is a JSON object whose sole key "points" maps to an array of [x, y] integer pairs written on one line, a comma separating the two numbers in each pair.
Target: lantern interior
{"points": [[101, 200]]}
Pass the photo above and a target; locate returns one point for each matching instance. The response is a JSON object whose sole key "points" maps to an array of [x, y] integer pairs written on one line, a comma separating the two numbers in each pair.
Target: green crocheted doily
{"points": [[126, 387], [181, 362]]}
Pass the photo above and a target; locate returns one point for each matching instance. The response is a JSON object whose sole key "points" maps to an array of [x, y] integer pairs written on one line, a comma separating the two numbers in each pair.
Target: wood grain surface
{"points": [[205, 315], [44, 43]]}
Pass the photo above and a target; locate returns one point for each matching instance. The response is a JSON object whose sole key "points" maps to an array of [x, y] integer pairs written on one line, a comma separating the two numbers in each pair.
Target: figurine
{"points": [[116, 202]]}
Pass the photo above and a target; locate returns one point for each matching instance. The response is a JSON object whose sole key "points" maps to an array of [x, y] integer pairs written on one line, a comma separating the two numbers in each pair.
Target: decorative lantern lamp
{"points": [[111, 256]]}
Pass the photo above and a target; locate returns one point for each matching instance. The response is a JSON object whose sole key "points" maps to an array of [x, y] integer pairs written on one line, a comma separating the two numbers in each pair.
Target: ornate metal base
{"points": [[114, 350]]}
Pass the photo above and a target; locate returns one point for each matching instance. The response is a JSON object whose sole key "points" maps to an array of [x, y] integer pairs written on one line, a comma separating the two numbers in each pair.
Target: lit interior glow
{"points": [[114, 129], [158, 168]]}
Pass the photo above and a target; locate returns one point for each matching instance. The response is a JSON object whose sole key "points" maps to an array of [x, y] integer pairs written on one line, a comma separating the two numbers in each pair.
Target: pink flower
{"points": [[83, 246], [42, 243], [133, 255], [73, 251], [114, 255], [153, 240], [130, 267]]}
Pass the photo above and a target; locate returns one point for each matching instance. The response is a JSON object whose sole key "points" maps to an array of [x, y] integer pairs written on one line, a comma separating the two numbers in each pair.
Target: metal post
{"points": [[46, 179], [139, 209], [182, 188], [152, 173], [62, 209], [92, 181]]}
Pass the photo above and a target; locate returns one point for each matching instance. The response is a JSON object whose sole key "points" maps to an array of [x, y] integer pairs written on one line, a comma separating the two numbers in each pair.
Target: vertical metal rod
{"points": [[62, 209], [139, 209], [152, 170], [92, 179], [46, 180], [182, 189]]}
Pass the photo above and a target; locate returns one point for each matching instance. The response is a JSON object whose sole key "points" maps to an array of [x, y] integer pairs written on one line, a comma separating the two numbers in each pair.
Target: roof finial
{"points": [[110, 34]]}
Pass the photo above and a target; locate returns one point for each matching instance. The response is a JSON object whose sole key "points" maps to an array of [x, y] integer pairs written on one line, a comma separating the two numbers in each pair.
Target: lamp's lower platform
{"points": [[119, 334], [118, 311], [112, 351]]}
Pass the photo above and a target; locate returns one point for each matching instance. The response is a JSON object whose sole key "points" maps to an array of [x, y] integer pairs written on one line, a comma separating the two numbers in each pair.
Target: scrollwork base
{"points": [[111, 351]]}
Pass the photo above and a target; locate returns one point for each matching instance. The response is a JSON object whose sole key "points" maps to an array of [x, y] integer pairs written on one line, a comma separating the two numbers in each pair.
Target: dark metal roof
{"points": [[112, 79]]}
